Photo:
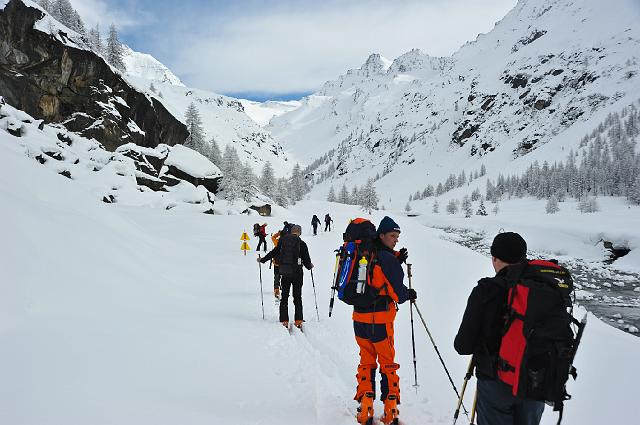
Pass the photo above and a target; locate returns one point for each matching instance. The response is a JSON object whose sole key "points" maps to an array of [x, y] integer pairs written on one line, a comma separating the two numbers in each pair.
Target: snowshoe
{"points": [[365, 410], [391, 412]]}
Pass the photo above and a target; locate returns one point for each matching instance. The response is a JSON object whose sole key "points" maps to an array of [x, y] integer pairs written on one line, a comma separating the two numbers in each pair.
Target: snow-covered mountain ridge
{"points": [[145, 66], [528, 89]]}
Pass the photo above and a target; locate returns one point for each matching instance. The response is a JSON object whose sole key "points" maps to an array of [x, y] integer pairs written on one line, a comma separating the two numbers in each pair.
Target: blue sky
{"points": [[284, 49]]}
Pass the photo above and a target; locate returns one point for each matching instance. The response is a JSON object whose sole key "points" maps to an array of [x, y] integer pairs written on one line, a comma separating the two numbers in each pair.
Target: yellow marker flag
{"points": [[244, 236], [245, 246]]}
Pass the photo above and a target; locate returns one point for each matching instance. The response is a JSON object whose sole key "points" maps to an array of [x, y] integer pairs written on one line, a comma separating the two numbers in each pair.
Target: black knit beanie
{"points": [[509, 247]]}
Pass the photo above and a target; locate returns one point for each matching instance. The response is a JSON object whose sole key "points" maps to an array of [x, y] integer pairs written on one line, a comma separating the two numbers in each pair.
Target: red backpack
{"points": [[538, 344]]}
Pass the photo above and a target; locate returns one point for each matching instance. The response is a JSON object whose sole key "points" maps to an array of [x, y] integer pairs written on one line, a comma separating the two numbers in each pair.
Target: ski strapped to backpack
{"points": [[356, 261], [538, 344]]}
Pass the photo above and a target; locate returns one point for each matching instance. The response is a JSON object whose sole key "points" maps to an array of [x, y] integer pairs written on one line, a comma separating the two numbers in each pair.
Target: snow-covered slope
{"points": [[143, 65], [537, 82], [262, 112], [223, 119]]}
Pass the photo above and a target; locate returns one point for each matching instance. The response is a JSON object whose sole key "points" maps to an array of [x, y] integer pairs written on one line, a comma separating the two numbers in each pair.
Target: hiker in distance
{"points": [[315, 222], [524, 297], [291, 254], [261, 232], [327, 222], [373, 324]]}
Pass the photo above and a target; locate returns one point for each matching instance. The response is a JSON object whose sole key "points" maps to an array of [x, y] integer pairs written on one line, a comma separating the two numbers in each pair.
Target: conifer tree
{"points": [[452, 206], [297, 184], [95, 40], [481, 209], [436, 207], [195, 139], [407, 206], [114, 51], [247, 182], [343, 196], [231, 169], [368, 197], [552, 205], [331, 197], [267, 182], [467, 207], [281, 191]]}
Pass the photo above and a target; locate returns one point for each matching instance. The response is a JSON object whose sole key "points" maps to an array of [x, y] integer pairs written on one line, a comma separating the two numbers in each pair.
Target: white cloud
{"points": [[124, 16], [299, 45]]}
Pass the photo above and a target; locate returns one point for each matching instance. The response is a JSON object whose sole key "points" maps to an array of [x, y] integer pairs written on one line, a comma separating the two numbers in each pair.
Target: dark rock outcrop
{"points": [[56, 82], [263, 209]]}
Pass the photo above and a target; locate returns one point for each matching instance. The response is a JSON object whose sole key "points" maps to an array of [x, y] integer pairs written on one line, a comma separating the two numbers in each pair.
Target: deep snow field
{"points": [[113, 314]]}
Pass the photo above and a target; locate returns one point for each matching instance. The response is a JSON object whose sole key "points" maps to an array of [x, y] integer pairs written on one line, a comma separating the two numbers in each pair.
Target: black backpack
{"points": [[357, 251], [538, 343], [256, 229], [289, 257]]}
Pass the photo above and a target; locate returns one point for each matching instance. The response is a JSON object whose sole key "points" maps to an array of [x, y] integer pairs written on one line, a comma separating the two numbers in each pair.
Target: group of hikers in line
{"points": [[513, 383]]}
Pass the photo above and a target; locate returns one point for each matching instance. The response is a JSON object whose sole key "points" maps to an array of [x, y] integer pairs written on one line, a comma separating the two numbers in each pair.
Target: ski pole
{"points": [[333, 282], [413, 338], [440, 357], [467, 377], [261, 294], [473, 408], [314, 294]]}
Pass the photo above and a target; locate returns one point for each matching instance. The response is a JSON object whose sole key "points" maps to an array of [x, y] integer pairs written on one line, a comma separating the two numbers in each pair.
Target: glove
{"points": [[403, 255], [411, 294]]}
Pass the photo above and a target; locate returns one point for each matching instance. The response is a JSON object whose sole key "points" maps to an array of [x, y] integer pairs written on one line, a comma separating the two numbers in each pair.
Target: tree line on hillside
{"points": [[111, 49], [239, 180]]}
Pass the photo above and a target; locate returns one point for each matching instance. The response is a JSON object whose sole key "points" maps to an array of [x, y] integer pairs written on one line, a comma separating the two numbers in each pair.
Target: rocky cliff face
{"points": [[60, 82]]}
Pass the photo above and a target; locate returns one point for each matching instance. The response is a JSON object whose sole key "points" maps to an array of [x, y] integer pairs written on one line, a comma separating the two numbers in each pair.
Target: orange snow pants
{"points": [[376, 347]]}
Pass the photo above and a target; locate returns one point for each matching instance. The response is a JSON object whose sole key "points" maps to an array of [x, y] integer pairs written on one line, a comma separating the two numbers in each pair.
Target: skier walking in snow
{"points": [[315, 222], [292, 254], [480, 334], [262, 236], [373, 326], [327, 222]]}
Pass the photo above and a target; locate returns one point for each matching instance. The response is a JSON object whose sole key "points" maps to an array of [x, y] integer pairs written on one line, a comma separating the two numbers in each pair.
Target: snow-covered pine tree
{"points": [[467, 207], [77, 24], [95, 40], [452, 206], [343, 196], [331, 197], [475, 195], [231, 169], [247, 182], [436, 207], [46, 5], [634, 193], [368, 197], [281, 191], [355, 196], [552, 206], [296, 184], [481, 209], [407, 206], [195, 139], [267, 182], [496, 209], [114, 51]]}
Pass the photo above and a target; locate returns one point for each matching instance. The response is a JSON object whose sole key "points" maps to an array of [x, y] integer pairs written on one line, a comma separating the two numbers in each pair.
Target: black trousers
{"points": [[287, 282], [276, 277], [315, 230], [327, 225], [263, 240]]}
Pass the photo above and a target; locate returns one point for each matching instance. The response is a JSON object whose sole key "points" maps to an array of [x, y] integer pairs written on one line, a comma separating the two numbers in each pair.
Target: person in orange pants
{"points": [[373, 327]]}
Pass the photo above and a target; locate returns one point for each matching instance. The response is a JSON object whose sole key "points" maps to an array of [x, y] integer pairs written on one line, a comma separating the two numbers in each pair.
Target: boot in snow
{"points": [[390, 411], [285, 324], [276, 292], [365, 411], [298, 323]]}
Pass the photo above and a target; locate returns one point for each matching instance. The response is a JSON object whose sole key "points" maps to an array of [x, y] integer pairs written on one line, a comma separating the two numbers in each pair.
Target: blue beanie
{"points": [[388, 225]]}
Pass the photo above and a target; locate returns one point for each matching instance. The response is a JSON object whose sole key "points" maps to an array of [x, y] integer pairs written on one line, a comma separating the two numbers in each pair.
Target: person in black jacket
{"points": [[327, 222], [480, 334], [291, 253], [315, 222]]}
